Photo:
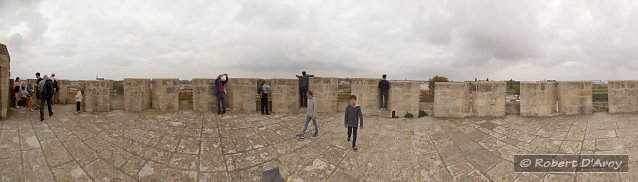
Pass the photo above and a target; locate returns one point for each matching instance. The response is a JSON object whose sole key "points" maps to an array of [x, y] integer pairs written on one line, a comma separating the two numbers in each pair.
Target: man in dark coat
{"points": [[304, 82], [46, 94], [384, 90]]}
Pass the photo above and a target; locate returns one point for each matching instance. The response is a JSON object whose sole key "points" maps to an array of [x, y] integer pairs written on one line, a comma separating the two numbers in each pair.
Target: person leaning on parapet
{"points": [[16, 92], [55, 88], [220, 92], [304, 80], [30, 90], [384, 90], [263, 96], [46, 95]]}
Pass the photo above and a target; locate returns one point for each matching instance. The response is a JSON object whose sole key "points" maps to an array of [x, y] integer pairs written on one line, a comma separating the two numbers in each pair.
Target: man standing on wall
{"points": [[304, 82], [220, 92], [46, 94], [384, 90]]}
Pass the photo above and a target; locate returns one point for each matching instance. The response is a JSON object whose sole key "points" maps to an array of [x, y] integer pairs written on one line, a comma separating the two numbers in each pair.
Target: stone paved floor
{"points": [[189, 146]]}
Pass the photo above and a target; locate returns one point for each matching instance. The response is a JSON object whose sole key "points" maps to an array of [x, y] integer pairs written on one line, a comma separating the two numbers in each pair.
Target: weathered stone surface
{"points": [[284, 95], [538, 98], [325, 91], [204, 95], [62, 93], [165, 94], [575, 97], [623, 96], [451, 99], [404, 97], [5, 74], [97, 95], [242, 95], [240, 147], [137, 94], [488, 98], [367, 92]]}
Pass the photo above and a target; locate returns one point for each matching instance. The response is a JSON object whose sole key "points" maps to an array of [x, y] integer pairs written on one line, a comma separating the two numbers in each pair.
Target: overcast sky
{"points": [[406, 39]]}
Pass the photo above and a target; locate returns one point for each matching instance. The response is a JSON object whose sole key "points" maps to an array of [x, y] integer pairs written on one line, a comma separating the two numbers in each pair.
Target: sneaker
{"points": [[315, 135], [302, 137], [298, 135], [355, 148]]}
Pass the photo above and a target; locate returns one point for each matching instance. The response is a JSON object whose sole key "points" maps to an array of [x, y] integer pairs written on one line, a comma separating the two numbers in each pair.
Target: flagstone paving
{"points": [[191, 146]]}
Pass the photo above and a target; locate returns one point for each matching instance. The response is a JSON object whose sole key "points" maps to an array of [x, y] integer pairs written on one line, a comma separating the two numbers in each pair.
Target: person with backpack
{"points": [[220, 92], [263, 96], [46, 95]]}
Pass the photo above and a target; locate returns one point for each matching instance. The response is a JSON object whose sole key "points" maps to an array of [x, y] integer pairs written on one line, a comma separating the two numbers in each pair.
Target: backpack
{"points": [[47, 91]]}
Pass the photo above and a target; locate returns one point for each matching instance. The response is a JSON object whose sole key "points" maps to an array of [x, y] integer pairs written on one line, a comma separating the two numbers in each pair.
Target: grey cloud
{"points": [[461, 39]]}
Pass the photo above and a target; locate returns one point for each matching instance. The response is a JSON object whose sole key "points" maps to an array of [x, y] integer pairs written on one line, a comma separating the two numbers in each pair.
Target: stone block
{"points": [[242, 95], [97, 95], [488, 98], [325, 91], [165, 94], [204, 99], [575, 97], [623, 96], [137, 94], [284, 95], [451, 99], [404, 97], [538, 98]]}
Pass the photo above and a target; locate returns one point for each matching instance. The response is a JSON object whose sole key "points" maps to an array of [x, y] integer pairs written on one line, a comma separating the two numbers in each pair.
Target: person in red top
{"points": [[220, 92]]}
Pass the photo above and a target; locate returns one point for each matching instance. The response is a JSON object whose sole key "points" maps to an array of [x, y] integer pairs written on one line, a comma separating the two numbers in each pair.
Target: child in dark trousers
{"points": [[353, 118], [78, 100]]}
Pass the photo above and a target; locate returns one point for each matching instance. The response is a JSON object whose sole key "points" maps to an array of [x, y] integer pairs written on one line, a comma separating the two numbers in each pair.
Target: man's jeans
{"points": [[305, 126], [384, 99], [221, 103]]}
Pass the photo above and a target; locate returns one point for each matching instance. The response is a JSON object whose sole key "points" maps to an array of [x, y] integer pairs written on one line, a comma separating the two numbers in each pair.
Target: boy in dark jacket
{"points": [[353, 118]]}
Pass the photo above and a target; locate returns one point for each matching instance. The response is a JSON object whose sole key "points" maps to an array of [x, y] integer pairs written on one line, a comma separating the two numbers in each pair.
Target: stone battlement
{"points": [[451, 99]]}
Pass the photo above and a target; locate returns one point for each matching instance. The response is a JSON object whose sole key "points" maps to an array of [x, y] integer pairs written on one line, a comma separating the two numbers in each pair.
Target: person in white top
{"points": [[78, 100]]}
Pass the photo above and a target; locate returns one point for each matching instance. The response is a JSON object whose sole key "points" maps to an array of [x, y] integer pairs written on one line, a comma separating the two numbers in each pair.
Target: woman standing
{"points": [[263, 95], [16, 91]]}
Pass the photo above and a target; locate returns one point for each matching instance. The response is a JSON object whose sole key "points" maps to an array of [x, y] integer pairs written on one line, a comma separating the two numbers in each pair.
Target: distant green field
{"points": [[599, 95]]}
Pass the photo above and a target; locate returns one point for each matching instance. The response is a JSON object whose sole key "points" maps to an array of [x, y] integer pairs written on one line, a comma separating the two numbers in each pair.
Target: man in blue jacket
{"points": [[220, 92]]}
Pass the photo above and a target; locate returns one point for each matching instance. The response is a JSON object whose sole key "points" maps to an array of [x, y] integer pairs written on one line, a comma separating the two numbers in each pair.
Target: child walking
{"points": [[353, 118], [78, 100], [310, 114]]}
